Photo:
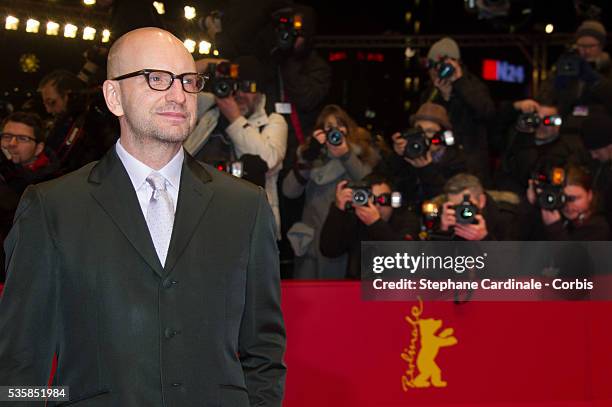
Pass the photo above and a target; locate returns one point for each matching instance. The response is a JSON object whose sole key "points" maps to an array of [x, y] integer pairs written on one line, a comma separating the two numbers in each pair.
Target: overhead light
{"points": [[106, 35], [216, 52], [89, 2], [159, 7], [89, 33], [52, 28], [549, 28], [190, 45], [204, 47], [32, 25], [70, 31], [190, 12], [12, 23]]}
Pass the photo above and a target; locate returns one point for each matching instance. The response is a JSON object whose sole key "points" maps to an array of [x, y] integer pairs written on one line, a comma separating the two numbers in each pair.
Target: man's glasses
{"points": [[7, 137], [163, 80]]}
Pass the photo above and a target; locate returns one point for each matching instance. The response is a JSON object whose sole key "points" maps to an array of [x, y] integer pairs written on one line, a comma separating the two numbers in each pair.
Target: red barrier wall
{"points": [[342, 351]]}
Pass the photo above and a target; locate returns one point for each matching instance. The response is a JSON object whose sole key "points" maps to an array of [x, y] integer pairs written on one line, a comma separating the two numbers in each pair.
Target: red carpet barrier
{"points": [[345, 352]]}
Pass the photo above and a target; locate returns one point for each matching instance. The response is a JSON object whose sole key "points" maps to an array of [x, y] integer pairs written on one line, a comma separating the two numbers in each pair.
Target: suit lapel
{"points": [[194, 197], [115, 193]]}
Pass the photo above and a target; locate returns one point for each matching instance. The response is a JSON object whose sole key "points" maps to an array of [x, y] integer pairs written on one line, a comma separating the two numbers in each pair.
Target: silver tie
{"points": [[160, 215]]}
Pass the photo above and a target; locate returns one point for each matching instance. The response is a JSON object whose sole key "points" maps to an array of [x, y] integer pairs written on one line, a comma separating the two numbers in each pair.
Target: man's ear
{"points": [[112, 96], [39, 148], [482, 201]]}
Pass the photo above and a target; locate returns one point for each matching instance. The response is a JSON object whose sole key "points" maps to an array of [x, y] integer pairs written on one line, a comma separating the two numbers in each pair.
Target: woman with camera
{"points": [[338, 149], [576, 216]]}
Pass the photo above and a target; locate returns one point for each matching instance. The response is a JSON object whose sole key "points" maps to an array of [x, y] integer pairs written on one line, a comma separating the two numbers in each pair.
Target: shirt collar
{"points": [[138, 171]]}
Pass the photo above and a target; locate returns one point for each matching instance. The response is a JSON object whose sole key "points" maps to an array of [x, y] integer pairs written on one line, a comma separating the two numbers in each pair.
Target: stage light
{"points": [[12, 23], [190, 45], [89, 33], [70, 30], [190, 12], [52, 28], [159, 7], [204, 47], [549, 28], [89, 2], [106, 35], [32, 25]]}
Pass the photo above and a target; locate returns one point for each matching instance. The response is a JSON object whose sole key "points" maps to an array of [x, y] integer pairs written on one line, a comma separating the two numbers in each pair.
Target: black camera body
{"points": [[222, 79], [235, 168], [361, 195], [529, 122], [443, 68], [569, 64], [549, 185], [288, 29], [418, 143], [334, 136], [466, 211]]}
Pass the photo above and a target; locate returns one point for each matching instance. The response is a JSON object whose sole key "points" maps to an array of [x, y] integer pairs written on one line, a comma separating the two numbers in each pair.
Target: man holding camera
{"points": [[535, 138], [236, 134], [363, 212], [466, 99], [470, 213], [425, 156]]}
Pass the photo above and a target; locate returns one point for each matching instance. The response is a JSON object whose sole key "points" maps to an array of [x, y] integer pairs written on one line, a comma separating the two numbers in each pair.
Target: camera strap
{"points": [[295, 120]]}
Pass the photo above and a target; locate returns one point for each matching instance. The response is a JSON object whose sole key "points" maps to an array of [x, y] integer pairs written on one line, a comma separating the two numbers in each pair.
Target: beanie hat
{"points": [[432, 112], [446, 47], [596, 131], [594, 29]]}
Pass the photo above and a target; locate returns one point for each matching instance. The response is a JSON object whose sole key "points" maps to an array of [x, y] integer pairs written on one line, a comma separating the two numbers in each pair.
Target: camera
{"points": [[236, 168], [334, 136], [466, 211], [569, 64], [224, 80], [549, 186], [418, 143], [444, 69], [529, 122], [288, 29], [362, 192], [361, 195]]}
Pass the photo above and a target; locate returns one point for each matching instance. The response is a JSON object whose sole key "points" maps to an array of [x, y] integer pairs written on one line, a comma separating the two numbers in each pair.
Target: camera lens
{"points": [[360, 197], [334, 137]]}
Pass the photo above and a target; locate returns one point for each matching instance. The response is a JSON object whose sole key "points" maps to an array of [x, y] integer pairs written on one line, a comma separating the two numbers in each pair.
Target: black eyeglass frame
{"points": [[147, 73]]}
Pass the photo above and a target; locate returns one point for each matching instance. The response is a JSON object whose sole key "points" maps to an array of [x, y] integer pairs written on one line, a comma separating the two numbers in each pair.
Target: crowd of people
{"points": [[468, 168]]}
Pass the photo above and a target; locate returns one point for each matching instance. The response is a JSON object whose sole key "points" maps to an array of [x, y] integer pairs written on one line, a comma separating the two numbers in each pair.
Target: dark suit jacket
{"points": [[84, 282]]}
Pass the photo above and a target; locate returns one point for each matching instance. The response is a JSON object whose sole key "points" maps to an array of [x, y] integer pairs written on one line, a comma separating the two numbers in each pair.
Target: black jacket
{"points": [[594, 228], [469, 108], [343, 233], [419, 184]]}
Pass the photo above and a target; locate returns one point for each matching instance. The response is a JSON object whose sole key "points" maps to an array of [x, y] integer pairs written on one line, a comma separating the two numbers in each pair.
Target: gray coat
{"points": [[320, 192]]}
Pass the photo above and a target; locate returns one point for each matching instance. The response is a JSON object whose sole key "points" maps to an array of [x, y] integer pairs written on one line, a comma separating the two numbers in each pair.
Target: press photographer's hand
{"points": [[422, 161], [448, 218], [229, 108], [343, 195], [473, 231], [368, 215]]}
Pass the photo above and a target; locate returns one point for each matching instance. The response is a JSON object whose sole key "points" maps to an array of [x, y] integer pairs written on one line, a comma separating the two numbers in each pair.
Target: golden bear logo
{"points": [[429, 344]]}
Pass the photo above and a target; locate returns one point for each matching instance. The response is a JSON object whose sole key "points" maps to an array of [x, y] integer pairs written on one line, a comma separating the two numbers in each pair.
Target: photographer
{"points": [[81, 131], [348, 223], [420, 166], [337, 150], [470, 213], [25, 159], [466, 99], [235, 133], [535, 138], [575, 217], [597, 138]]}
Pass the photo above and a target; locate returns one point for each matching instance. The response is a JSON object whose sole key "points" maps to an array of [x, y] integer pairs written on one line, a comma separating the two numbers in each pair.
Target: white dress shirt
{"points": [[139, 172]]}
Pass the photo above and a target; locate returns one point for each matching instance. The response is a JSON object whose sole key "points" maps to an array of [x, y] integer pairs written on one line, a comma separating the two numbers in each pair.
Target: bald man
{"points": [[153, 278]]}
